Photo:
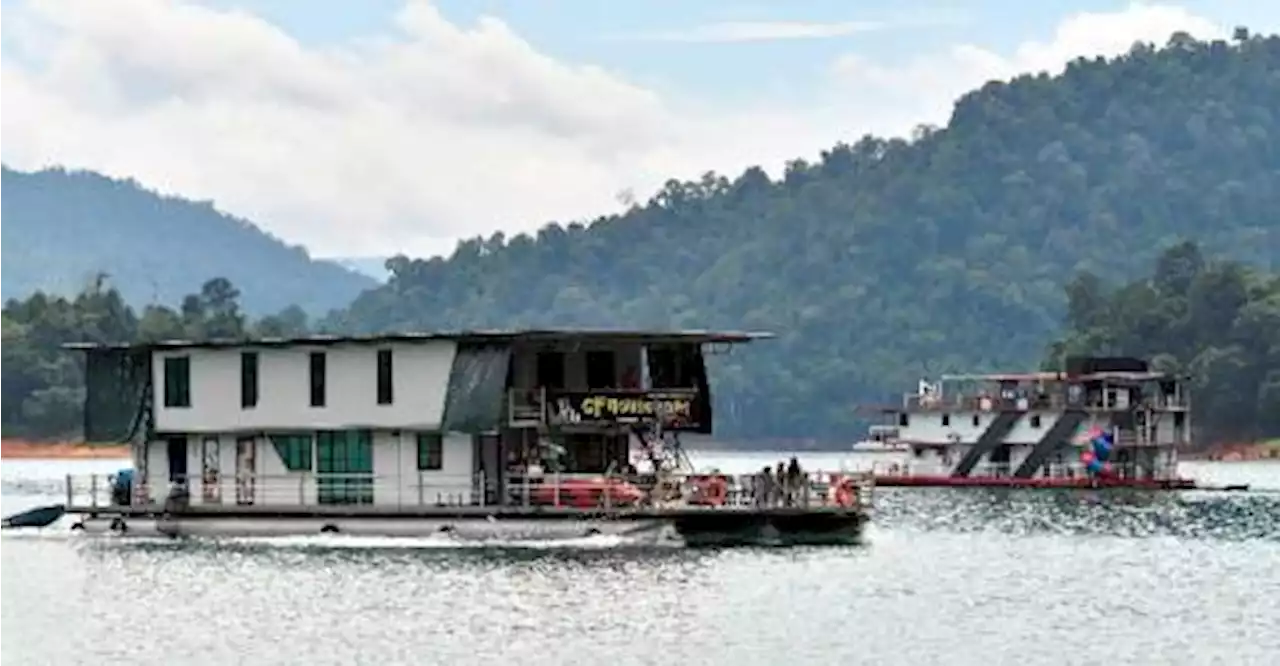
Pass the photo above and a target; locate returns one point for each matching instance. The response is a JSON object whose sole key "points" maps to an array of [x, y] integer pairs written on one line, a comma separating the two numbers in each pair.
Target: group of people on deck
{"points": [[784, 484]]}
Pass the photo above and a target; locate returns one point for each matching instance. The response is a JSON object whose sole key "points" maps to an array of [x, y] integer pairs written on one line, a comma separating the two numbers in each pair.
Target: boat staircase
{"points": [[992, 437], [1058, 436]]}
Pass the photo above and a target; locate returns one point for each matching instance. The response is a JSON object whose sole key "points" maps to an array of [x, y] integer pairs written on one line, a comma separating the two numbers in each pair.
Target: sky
{"points": [[380, 127]]}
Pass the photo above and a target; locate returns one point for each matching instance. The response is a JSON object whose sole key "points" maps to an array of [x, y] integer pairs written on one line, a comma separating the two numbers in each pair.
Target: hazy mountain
{"points": [[62, 228]]}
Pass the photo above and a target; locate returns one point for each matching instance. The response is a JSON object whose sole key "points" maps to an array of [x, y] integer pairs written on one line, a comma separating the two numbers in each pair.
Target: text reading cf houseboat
{"points": [[486, 434], [1103, 422]]}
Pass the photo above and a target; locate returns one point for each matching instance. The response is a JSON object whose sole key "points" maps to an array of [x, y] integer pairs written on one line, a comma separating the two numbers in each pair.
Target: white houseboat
{"points": [[1102, 422], [488, 434]]}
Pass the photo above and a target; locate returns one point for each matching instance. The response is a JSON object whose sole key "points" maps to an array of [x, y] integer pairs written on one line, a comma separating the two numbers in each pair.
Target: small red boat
{"points": [[580, 493]]}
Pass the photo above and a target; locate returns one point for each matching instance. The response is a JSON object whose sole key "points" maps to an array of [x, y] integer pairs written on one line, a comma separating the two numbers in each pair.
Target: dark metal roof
{"points": [[509, 336]]}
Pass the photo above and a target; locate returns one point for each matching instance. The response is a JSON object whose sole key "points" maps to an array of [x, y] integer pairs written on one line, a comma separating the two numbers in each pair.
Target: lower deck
{"points": [[752, 509]]}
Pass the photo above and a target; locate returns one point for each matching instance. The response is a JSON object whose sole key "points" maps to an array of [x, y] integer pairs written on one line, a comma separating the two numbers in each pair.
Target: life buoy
{"points": [[846, 493], [717, 491], [712, 491]]}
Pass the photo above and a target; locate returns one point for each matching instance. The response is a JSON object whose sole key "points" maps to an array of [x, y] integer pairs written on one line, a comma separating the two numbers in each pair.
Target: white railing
{"points": [[587, 492], [1066, 470]]}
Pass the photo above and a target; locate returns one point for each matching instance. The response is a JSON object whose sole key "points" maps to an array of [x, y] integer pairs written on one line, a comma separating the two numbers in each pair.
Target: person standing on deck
{"points": [[784, 496], [793, 481], [760, 487]]}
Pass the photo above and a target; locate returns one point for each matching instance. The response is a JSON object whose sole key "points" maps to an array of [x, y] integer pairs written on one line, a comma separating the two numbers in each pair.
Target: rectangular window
{"points": [[430, 451], [903, 420], [177, 381], [248, 379], [294, 451], [385, 393], [344, 467], [1035, 420], [317, 379], [946, 420], [550, 369], [602, 371], [672, 366]]}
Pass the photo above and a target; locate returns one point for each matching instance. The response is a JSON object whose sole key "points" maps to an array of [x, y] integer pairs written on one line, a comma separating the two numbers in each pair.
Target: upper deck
{"points": [[1099, 388], [475, 381]]}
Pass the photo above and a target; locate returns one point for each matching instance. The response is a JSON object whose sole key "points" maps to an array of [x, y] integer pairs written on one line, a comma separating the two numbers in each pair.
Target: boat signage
{"points": [[602, 406]]}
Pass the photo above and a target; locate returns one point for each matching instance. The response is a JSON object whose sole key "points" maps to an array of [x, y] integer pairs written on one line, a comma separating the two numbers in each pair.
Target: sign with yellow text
{"points": [[624, 407]]}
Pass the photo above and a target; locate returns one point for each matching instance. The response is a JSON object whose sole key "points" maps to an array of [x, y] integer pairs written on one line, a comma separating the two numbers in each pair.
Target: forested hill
{"points": [[890, 258], [1215, 321], [63, 228]]}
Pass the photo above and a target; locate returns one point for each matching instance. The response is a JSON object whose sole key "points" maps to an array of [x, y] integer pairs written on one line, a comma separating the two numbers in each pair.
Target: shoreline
{"points": [[18, 449]]}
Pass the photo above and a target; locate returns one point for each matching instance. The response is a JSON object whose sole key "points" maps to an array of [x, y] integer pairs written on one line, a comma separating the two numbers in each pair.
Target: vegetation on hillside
{"points": [[1218, 322], [885, 260], [63, 228], [43, 384], [888, 259]]}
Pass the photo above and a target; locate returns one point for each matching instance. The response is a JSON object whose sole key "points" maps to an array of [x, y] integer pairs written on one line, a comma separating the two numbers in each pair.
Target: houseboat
{"points": [[1103, 422], [494, 434]]}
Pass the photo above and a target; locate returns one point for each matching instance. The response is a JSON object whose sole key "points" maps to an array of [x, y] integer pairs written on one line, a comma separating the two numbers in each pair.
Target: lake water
{"points": [[946, 577]]}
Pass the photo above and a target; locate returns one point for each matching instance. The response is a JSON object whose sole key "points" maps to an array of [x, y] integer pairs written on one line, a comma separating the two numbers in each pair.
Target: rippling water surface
{"points": [[947, 577]]}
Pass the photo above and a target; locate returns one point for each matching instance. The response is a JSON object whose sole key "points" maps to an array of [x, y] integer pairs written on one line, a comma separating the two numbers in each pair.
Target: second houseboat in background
{"points": [[1103, 422]]}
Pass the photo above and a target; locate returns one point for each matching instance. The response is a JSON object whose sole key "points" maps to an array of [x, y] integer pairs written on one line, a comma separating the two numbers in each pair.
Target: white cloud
{"points": [[926, 86], [435, 132], [761, 31]]}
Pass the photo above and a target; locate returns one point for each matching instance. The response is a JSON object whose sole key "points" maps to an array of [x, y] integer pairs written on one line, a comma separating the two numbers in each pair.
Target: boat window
{"points": [[385, 393], [946, 419], [248, 380], [344, 467], [294, 450], [602, 371], [430, 451], [177, 381], [977, 420], [1035, 420], [550, 371], [672, 366], [903, 420], [317, 379]]}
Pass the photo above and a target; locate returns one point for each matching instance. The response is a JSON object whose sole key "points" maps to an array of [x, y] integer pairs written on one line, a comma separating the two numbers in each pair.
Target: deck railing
{"points": [[1066, 470], [915, 402], [587, 492]]}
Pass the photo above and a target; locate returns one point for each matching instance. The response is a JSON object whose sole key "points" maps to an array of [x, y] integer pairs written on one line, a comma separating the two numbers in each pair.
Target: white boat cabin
{"points": [[387, 420], [1033, 424]]}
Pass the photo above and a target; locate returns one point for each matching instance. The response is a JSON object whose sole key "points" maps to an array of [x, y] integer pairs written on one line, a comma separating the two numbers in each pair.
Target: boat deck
{"points": [[556, 496], [457, 512], [947, 481]]}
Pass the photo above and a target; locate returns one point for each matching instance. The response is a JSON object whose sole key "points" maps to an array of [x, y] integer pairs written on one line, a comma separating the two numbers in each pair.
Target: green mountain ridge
{"points": [[1051, 214], [888, 259], [62, 228]]}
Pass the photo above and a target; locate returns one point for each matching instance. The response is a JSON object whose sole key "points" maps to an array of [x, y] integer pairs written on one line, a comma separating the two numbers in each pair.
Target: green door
{"points": [[344, 467]]}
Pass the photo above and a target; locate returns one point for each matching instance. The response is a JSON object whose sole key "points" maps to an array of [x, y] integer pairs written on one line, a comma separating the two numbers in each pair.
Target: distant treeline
{"points": [[1216, 321], [44, 384]]}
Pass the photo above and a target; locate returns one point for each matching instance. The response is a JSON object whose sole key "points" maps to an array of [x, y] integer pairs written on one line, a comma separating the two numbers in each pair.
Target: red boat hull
{"points": [[944, 481]]}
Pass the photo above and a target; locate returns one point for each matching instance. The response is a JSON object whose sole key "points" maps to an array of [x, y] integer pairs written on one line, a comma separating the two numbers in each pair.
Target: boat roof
{"points": [[490, 335]]}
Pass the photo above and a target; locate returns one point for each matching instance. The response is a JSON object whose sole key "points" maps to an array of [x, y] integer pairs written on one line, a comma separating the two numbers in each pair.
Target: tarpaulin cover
{"points": [[117, 386], [476, 398]]}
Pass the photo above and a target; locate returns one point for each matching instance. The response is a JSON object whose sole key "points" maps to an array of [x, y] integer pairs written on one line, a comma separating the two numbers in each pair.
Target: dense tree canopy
{"points": [[889, 258], [63, 228], [1218, 322], [883, 260]]}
